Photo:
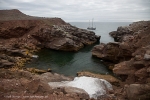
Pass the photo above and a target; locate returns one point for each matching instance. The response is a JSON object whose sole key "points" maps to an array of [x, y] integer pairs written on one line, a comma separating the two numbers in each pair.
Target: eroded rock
{"points": [[138, 91], [108, 78]]}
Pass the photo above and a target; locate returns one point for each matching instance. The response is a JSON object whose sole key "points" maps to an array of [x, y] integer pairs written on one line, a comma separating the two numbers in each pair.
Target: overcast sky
{"points": [[83, 10]]}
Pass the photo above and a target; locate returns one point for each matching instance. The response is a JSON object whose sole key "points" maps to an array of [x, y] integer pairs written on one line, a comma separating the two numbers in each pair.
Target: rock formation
{"points": [[130, 56]]}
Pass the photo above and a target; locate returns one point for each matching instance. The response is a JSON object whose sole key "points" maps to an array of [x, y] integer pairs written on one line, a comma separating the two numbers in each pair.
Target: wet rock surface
{"points": [[130, 58]]}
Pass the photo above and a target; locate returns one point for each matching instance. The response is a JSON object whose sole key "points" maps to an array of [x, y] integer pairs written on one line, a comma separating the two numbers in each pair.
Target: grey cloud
{"points": [[83, 10]]}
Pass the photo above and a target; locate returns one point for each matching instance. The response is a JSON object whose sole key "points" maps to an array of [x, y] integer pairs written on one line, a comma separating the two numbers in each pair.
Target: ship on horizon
{"points": [[91, 27]]}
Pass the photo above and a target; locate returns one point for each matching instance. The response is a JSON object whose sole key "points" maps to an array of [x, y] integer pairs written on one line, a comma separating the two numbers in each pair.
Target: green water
{"points": [[68, 63]]}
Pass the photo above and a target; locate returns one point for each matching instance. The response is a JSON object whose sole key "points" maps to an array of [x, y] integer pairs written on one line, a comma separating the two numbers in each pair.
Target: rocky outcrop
{"points": [[65, 37], [130, 56], [125, 33]]}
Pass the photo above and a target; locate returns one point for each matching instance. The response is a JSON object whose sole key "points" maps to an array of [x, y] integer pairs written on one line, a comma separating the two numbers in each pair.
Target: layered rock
{"points": [[130, 56]]}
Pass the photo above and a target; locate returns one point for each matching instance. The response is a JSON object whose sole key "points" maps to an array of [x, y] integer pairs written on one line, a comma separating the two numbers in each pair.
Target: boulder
{"points": [[76, 91], [138, 92]]}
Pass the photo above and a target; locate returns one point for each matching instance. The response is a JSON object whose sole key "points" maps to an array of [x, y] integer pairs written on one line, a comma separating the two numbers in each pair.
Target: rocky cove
{"points": [[21, 36]]}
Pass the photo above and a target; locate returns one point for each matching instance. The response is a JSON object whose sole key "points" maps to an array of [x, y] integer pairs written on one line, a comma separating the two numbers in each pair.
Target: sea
{"points": [[69, 63]]}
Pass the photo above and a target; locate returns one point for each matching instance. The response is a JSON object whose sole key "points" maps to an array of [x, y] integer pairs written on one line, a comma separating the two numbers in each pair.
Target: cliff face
{"points": [[131, 58]]}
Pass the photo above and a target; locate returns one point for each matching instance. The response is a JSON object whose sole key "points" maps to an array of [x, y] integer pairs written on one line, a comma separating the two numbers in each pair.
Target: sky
{"points": [[83, 10]]}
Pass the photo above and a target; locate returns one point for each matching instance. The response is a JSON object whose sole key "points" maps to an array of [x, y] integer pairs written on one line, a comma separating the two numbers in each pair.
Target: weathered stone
{"points": [[108, 78], [141, 73], [138, 91], [123, 68], [76, 91]]}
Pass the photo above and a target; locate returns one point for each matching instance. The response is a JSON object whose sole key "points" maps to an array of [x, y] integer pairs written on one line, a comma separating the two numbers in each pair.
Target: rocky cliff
{"points": [[130, 56]]}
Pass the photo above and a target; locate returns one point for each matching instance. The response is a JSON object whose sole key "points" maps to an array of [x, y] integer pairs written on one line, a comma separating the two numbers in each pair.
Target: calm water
{"points": [[69, 63]]}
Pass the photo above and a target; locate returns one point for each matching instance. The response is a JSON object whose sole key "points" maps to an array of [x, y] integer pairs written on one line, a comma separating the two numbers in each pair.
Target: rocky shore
{"points": [[129, 58], [21, 35]]}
